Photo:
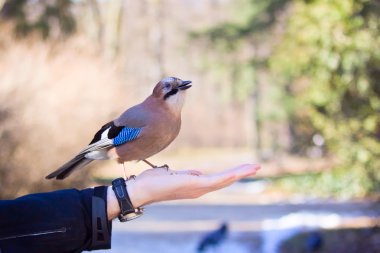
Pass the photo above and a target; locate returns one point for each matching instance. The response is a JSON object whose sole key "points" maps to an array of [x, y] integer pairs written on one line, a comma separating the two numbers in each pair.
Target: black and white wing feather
{"points": [[107, 137]]}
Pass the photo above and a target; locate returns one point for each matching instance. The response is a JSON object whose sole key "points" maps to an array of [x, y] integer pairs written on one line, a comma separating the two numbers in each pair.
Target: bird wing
{"points": [[137, 116], [111, 135]]}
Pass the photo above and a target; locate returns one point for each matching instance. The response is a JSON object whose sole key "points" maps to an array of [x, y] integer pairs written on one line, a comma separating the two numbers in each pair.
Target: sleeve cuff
{"points": [[101, 227]]}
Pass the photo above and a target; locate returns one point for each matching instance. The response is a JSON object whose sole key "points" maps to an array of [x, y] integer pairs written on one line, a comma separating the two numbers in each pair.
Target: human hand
{"points": [[159, 184]]}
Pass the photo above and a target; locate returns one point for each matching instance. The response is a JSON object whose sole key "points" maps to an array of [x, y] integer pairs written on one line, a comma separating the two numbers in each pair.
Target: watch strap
{"points": [[127, 211]]}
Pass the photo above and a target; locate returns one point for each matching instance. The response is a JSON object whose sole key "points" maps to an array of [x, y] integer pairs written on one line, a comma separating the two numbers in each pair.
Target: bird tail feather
{"points": [[65, 170]]}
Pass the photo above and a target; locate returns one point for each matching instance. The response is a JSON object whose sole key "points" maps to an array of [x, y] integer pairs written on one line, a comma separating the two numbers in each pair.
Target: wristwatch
{"points": [[128, 212]]}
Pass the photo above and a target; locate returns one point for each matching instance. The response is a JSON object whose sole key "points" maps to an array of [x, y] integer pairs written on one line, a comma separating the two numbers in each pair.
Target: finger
{"points": [[196, 173], [242, 171], [165, 172], [232, 175], [158, 171], [190, 172]]}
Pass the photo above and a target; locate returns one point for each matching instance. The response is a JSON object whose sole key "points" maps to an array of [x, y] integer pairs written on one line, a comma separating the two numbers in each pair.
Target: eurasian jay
{"points": [[140, 132]]}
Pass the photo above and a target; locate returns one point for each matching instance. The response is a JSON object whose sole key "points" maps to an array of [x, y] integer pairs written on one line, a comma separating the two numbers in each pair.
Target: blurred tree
{"points": [[325, 57], [330, 56], [248, 42], [45, 17], [98, 21], [157, 34]]}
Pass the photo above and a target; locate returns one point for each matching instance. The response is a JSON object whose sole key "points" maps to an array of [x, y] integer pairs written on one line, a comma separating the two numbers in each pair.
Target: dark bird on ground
{"points": [[214, 238], [314, 242], [140, 132]]}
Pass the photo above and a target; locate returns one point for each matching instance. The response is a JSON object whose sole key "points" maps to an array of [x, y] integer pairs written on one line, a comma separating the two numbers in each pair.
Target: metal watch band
{"points": [[128, 212]]}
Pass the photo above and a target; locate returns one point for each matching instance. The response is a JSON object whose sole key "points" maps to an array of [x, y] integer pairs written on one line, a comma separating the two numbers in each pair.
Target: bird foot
{"points": [[165, 166], [131, 177]]}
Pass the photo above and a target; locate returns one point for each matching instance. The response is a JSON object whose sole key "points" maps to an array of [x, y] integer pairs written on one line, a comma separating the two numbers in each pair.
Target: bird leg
{"points": [[125, 174], [150, 164], [155, 166]]}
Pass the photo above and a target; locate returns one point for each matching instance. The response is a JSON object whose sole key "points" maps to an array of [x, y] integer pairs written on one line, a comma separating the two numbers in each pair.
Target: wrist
{"points": [[113, 207], [135, 194]]}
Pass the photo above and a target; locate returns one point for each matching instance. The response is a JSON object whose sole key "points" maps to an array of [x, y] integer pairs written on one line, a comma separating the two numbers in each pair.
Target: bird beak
{"points": [[184, 85]]}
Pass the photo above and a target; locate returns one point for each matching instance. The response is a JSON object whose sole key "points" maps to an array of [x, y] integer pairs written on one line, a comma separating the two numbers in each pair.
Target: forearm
{"points": [[113, 208], [46, 222]]}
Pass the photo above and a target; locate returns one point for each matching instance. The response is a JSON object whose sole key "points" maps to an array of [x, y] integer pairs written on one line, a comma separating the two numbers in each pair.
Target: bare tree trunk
{"points": [[158, 38], [118, 28], [98, 21], [2, 2]]}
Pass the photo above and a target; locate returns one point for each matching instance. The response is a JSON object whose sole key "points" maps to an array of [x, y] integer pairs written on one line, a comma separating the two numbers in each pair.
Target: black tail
{"points": [[65, 170]]}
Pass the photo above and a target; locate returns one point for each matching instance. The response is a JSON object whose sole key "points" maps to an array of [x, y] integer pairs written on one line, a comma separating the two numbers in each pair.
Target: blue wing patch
{"points": [[125, 135]]}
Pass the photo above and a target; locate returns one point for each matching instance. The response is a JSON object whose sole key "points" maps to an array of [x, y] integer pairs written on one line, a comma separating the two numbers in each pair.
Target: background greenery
{"points": [[324, 56]]}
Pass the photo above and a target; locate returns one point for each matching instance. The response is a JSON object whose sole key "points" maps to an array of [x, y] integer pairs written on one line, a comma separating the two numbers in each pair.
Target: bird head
{"points": [[172, 91]]}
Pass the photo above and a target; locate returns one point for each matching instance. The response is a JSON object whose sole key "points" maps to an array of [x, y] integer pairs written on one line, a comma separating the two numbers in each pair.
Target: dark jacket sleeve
{"points": [[59, 221]]}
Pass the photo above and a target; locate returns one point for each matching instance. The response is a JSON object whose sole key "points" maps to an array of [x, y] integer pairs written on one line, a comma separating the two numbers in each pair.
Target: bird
{"points": [[314, 242], [213, 238], [138, 133]]}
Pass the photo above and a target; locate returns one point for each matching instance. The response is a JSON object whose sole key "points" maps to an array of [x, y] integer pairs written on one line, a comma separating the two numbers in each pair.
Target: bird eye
{"points": [[167, 85]]}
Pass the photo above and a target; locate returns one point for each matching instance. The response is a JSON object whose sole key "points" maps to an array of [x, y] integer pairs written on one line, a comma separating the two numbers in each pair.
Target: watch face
{"points": [[130, 216]]}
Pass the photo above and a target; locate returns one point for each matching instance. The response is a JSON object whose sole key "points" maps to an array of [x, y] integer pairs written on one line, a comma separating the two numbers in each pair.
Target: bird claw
{"points": [[165, 166], [132, 177]]}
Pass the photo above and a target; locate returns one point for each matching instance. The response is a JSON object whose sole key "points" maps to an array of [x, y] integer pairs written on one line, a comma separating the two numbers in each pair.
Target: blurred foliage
{"points": [[330, 56], [43, 17], [325, 57], [238, 41], [255, 18], [342, 182], [243, 46]]}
